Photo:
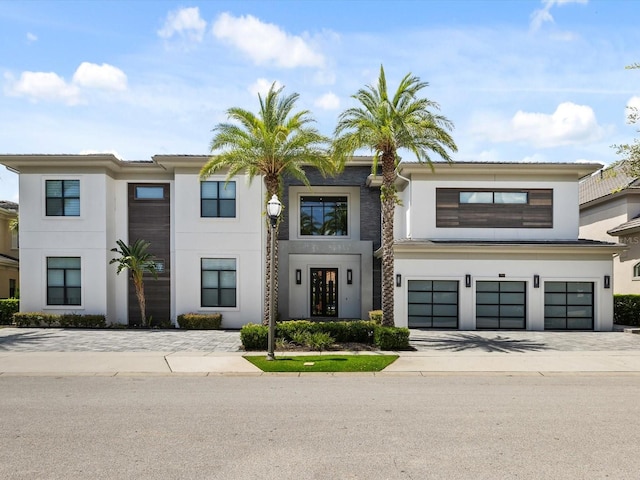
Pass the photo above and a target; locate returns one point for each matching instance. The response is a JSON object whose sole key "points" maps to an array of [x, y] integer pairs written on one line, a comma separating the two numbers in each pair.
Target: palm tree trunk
{"points": [[388, 201], [272, 184], [139, 286]]}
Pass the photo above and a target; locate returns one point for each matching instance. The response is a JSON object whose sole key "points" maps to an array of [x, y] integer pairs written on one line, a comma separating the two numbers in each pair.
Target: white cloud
{"points": [[262, 86], [570, 124], [328, 101], [633, 109], [542, 15], [185, 23], [49, 86], [43, 86], [266, 43], [105, 76], [31, 37]]}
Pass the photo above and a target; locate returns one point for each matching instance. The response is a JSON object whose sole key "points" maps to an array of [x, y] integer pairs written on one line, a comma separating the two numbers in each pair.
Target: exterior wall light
{"points": [[467, 280], [298, 277], [607, 281], [349, 276], [398, 280], [536, 281]]}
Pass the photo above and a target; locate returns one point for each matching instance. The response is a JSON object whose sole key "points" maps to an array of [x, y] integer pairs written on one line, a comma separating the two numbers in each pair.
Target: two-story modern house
{"points": [[478, 245], [495, 246], [9, 260]]}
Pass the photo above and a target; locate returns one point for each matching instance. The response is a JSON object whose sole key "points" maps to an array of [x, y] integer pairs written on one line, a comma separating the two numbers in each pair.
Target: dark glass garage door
{"points": [[568, 305], [433, 303], [501, 305]]}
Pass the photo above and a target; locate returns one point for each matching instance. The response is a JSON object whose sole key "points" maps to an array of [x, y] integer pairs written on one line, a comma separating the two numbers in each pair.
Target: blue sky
{"points": [[522, 81]]}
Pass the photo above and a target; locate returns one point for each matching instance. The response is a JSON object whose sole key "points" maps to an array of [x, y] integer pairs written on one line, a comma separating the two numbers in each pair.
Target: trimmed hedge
{"points": [[255, 337], [64, 320], [200, 321], [376, 316], [626, 310], [8, 306], [391, 338]]}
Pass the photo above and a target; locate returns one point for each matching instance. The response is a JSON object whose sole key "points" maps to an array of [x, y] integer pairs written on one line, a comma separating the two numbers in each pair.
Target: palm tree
{"points": [[386, 124], [138, 261], [274, 143]]}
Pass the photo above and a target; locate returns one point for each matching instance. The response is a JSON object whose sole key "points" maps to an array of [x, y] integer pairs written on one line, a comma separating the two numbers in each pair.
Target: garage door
{"points": [[433, 303], [568, 305], [501, 305]]}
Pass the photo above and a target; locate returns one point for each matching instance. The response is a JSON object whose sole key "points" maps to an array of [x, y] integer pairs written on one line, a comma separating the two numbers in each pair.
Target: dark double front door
{"points": [[324, 292]]}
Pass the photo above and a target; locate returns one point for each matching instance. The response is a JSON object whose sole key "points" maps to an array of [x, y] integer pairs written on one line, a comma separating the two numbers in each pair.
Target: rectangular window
{"points": [[218, 282], [12, 288], [63, 281], [149, 192], [218, 199], [326, 216], [62, 198], [518, 198]]}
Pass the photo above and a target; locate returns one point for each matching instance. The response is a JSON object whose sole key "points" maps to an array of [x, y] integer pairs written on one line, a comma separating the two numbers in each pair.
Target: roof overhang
{"points": [[462, 248]]}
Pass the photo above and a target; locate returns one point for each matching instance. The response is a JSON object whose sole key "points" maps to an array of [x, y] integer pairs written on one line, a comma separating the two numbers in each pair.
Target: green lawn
{"points": [[323, 363]]}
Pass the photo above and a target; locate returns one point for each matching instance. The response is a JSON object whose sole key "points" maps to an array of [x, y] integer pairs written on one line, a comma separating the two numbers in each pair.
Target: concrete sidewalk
{"points": [[419, 363], [157, 352]]}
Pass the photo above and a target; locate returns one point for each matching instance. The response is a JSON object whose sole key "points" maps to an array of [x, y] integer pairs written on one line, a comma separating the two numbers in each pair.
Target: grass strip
{"points": [[323, 363]]}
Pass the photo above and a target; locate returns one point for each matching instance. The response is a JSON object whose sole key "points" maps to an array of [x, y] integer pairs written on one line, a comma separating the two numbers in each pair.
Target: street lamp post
{"points": [[274, 207]]}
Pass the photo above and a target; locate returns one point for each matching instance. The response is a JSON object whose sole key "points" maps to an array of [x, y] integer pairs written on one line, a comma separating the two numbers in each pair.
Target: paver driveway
{"points": [[75, 340]]}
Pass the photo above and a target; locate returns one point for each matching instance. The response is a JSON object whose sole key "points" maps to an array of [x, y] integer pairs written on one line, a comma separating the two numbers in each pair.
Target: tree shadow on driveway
{"points": [[458, 342]]}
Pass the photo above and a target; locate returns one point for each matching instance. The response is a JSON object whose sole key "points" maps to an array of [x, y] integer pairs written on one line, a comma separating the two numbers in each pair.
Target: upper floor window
{"points": [[149, 192], [63, 281], [494, 197], [218, 199], [62, 198], [326, 215]]}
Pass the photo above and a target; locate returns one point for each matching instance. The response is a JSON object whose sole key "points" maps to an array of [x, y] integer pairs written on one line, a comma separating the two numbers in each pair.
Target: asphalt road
{"points": [[320, 427]]}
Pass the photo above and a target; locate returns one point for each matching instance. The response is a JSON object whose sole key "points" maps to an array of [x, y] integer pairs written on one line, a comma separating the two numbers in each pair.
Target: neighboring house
{"points": [[496, 246], [610, 211], [9, 259], [478, 245]]}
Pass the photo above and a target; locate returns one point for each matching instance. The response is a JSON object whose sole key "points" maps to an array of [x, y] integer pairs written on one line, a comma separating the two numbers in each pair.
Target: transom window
{"points": [[62, 198], [326, 215], [494, 197], [149, 192], [218, 199], [218, 282], [63, 281]]}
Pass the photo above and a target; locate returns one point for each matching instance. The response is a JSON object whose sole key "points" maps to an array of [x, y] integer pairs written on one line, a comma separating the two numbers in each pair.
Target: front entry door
{"points": [[324, 292]]}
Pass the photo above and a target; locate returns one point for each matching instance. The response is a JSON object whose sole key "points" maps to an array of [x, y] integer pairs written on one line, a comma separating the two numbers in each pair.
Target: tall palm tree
{"points": [[386, 124], [276, 142], [138, 261]]}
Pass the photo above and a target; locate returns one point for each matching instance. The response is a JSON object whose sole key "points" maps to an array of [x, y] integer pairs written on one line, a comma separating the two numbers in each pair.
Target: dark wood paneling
{"points": [[537, 213], [150, 220]]}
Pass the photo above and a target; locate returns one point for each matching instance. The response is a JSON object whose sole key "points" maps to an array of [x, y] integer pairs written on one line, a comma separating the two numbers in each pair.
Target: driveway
{"points": [[77, 340]]}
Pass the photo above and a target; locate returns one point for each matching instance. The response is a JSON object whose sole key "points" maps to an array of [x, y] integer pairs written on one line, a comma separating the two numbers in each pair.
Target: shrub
{"points": [[313, 340], [65, 320], [626, 310], [376, 316], [200, 321], [391, 338], [8, 307], [254, 337]]}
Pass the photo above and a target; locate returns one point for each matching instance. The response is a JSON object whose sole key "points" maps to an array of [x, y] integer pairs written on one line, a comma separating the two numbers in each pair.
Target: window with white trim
{"points": [[63, 281], [636, 270]]}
